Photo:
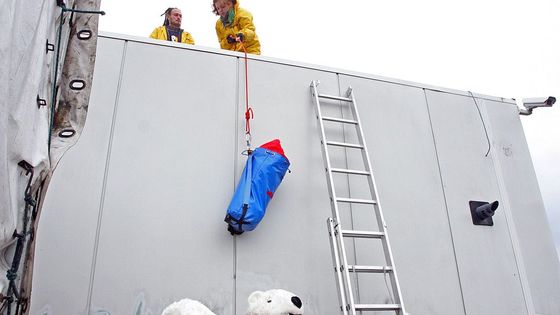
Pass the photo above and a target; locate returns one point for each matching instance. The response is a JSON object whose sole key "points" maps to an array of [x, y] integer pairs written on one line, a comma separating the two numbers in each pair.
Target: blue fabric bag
{"points": [[263, 172]]}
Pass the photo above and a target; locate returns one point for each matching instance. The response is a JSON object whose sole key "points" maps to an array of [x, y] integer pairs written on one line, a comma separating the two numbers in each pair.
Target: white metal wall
{"points": [[405, 163], [486, 264], [134, 216]]}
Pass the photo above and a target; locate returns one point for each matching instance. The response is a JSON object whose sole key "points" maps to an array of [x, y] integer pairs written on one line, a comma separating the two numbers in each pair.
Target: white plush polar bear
{"points": [[274, 302], [187, 307], [271, 302]]}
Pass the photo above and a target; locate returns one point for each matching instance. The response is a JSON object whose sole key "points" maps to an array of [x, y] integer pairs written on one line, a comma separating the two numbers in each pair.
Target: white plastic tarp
{"points": [[32, 43]]}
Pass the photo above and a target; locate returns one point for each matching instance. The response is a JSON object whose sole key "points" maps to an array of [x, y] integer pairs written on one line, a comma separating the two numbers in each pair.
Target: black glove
{"points": [[241, 37], [230, 39]]}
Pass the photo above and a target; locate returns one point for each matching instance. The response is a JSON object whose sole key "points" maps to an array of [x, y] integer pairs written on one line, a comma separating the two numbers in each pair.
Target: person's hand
{"points": [[231, 39], [240, 37]]}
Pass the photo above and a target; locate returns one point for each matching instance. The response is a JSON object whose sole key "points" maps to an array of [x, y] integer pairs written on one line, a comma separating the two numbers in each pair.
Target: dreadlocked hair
{"points": [[166, 14]]}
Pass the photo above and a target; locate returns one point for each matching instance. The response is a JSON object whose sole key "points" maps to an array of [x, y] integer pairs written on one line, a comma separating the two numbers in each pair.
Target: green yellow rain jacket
{"points": [[161, 33], [242, 23]]}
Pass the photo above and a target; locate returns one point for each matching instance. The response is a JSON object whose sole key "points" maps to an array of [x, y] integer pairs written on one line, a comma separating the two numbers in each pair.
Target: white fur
{"points": [[187, 307], [271, 302]]}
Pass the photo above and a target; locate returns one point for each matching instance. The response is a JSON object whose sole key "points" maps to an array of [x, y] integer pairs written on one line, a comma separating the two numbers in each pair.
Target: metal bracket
{"points": [[61, 4], [26, 166], [28, 170], [41, 102], [50, 47]]}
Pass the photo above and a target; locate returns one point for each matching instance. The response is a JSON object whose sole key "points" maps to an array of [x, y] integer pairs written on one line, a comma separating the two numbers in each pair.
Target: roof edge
{"points": [[211, 50]]}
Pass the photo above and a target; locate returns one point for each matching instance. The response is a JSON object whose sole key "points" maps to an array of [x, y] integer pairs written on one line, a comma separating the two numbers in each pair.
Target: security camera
{"points": [[534, 102]]}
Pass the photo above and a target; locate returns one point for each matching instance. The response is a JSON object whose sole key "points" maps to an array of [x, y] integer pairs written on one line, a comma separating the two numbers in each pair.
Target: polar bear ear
{"points": [[255, 297]]}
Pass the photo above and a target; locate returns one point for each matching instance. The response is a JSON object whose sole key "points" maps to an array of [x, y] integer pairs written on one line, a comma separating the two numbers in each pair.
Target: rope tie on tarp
{"points": [[13, 294]]}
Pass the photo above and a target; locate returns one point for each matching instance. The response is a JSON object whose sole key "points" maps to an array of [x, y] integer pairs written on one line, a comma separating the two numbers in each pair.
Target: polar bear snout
{"points": [[274, 302], [297, 302]]}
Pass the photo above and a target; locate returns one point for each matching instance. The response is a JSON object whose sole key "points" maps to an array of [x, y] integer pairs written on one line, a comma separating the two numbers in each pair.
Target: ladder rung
{"points": [[347, 145], [336, 98], [377, 307], [370, 269], [362, 234], [352, 200], [341, 120], [346, 171]]}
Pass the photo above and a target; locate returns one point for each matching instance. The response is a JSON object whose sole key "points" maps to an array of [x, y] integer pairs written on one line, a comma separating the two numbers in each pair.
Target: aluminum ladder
{"points": [[336, 233]]}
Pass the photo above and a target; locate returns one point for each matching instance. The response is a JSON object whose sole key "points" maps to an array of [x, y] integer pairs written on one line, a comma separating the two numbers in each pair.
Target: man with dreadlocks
{"points": [[171, 29]]}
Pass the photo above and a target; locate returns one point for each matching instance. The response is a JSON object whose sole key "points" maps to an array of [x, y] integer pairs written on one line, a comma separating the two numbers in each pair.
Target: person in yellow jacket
{"points": [[235, 27], [171, 29]]}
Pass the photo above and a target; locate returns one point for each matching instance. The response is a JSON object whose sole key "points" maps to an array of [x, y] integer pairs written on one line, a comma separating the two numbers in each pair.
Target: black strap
{"points": [[239, 222], [243, 214]]}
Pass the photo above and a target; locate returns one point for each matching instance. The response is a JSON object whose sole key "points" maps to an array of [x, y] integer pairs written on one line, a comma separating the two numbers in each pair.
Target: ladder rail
{"points": [[334, 204], [337, 264], [397, 293]]}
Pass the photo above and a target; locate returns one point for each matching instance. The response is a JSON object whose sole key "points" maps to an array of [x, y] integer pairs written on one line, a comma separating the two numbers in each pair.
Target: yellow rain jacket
{"points": [[161, 33], [242, 23]]}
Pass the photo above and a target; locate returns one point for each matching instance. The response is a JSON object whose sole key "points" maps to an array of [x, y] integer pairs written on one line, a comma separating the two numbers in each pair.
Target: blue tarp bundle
{"points": [[263, 172]]}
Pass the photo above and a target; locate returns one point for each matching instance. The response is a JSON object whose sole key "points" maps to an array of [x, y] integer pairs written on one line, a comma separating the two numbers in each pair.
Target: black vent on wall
{"points": [[482, 212]]}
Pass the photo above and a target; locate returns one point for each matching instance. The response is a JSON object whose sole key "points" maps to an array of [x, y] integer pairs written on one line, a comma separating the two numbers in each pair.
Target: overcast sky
{"points": [[495, 47]]}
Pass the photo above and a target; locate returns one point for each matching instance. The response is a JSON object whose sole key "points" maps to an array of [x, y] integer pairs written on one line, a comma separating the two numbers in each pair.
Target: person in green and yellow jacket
{"points": [[235, 27], [171, 29]]}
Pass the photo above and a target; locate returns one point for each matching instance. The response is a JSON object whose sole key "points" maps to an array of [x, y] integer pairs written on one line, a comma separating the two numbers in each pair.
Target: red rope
{"points": [[248, 110]]}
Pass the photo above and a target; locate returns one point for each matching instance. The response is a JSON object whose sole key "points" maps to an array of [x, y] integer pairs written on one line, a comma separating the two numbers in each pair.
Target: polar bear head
{"points": [[274, 302]]}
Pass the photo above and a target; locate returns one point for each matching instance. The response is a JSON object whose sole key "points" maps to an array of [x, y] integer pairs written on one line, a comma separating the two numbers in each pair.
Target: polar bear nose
{"points": [[296, 301]]}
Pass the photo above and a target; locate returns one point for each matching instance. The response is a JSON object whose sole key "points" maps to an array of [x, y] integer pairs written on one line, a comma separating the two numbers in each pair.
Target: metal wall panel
{"points": [[487, 267], [398, 134], [529, 224], [169, 179], [161, 179], [67, 229], [289, 249]]}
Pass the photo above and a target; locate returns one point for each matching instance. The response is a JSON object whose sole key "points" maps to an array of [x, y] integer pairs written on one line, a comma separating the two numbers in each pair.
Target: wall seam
{"points": [[104, 185], [235, 172], [445, 201], [512, 232]]}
